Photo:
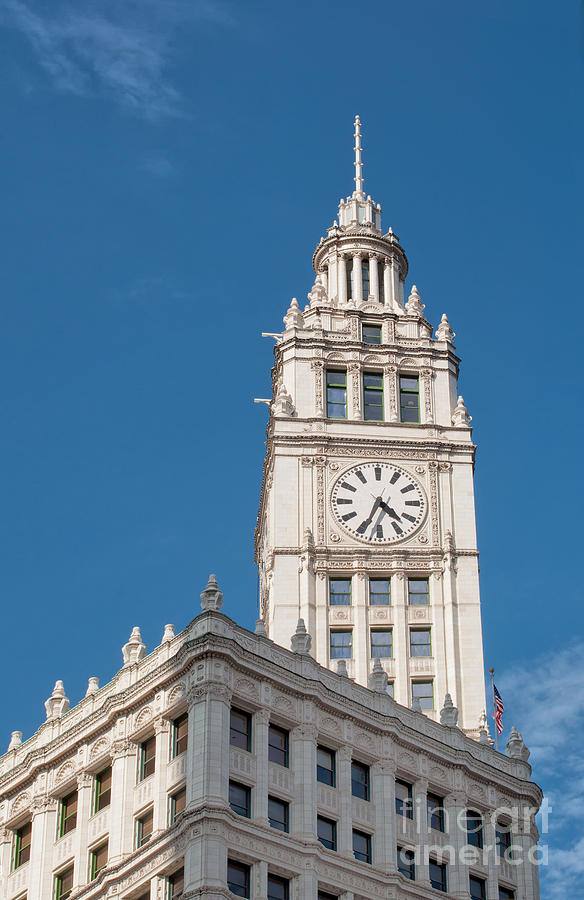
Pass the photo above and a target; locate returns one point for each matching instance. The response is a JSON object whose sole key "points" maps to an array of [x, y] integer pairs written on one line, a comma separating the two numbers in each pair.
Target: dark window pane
{"points": [[379, 591], [335, 377], [278, 814], [435, 812], [22, 845], [103, 790], [438, 876], [144, 826], [64, 884], [424, 691], [372, 333], [405, 863], [341, 644], [477, 888], [336, 395], [506, 894], [277, 888], [390, 688], [240, 730], [178, 802], [504, 842], [362, 846], [278, 745], [403, 800], [180, 735], [381, 643], [360, 780], [408, 383], [373, 380], [326, 831], [409, 415], [420, 642], [325, 766], [239, 799], [340, 591], [147, 758], [474, 829], [365, 279], [98, 860], [324, 896], [238, 878], [68, 817], [418, 594]]}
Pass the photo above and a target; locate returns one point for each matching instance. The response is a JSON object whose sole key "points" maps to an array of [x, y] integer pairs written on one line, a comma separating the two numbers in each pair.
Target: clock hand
{"points": [[391, 512], [363, 526]]}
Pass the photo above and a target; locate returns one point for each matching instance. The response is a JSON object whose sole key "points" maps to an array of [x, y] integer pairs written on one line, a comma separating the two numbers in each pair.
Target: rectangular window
{"points": [[474, 829], [364, 265], [438, 876], [380, 267], [240, 799], [102, 790], [278, 814], [506, 893], [503, 837], [373, 397], [326, 831], [418, 592], [240, 730], [478, 888], [322, 895], [97, 860], [420, 642], [178, 802], [381, 643], [64, 884], [424, 691], [325, 766], [360, 780], [278, 745], [409, 398], [176, 885], [144, 827], [379, 591], [278, 888], [403, 800], [336, 394], [405, 863], [362, 846], [435, 812], [371, 334], [68, 814], [147, 758], [341, 644], [238, 879], [339, 591], [179, 735], [22, 845], [390, 688]]}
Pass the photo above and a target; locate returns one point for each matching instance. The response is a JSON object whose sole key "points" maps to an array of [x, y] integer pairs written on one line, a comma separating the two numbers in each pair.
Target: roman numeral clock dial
{"points": [[378, 503]]}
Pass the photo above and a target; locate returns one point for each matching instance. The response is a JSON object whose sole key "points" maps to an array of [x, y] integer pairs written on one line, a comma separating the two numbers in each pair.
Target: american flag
{"points": [[498, 710]]}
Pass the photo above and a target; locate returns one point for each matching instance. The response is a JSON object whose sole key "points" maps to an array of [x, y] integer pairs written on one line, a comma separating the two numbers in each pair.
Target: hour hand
{"points": [[390, 512]]}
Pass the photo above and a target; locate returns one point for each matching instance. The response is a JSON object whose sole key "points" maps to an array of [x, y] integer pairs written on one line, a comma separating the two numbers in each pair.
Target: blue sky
{"points": [[166, 170]]}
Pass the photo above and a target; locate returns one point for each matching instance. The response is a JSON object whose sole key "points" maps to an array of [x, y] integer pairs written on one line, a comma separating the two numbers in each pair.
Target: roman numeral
{"points": [[410, 487]]}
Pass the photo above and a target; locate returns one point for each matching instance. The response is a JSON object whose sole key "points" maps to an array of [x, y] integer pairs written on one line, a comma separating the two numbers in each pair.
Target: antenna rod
{"points": [[358, 161]]}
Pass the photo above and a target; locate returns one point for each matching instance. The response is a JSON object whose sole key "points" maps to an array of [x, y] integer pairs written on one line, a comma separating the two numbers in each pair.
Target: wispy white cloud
{"points": [[120, 49]]}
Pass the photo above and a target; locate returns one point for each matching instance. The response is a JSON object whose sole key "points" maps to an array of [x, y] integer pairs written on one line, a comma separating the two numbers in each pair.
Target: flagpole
{"points": [[492, 674]]}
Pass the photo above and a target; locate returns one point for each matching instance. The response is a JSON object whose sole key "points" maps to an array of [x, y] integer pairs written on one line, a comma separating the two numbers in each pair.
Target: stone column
{"points": [[527, 876], [44, 829], [307, 885], [121, 838], [260, 874], [345, 794], [373, 277], [390, 393], [401, 651], [207, 762], [342, 278], [387, 294], [261, 723], [304, 770], [361, 648], [354, 391], [455, 805], [5, 858], [490, 844], [357, 280], [383, 796], [205, 862], [395, 283], [317, 367], [162, 730], [420, 792], [84, 790]]}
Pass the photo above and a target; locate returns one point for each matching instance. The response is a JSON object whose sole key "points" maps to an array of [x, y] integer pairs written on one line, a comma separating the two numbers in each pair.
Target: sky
{"points": [[166, 170]]}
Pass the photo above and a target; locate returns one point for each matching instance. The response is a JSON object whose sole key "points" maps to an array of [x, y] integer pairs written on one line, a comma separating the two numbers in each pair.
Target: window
{"points": [[438, 876], [381, 640], [379, 591], [435, 812], [506, 893], [322, 895], [278, 814], [390, 688], [326, 831], [339, 591], [503, 836], [341, 642], [238, 878], [409, 398], [405, 863], [403, 800], [424, 691], [240, 730], [64, 884], [418, 592], [474, 829], [278, 745], [176, 885], [478, 888], [365, 279], [420, 642], [179, 735], [371, 334], [380, 278], [102, 790], [68, 814], [362, 846], [22, 845], [336, 394], [373, 397], [147, 758], [325, 766], [97, 860], [278, 888], [178, 802], [350, 280], [360, 780], [144, 827], [240, 799]]}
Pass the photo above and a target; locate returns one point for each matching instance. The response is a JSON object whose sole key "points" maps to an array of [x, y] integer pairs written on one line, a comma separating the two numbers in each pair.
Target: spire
{"points": [[358, 161]]}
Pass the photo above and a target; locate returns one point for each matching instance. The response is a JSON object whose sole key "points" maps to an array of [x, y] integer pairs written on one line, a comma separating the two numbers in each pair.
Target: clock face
{"points": [[378, 503]]}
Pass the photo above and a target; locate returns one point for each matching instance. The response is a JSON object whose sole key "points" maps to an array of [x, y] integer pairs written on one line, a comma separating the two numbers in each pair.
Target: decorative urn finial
{"points": [[460, 416], [57, 704], [378, 678], [449, 713], [414, 306], [212, 597], [92, 685], [516, 748], [15, 740], [301, 639], [134, 650]]}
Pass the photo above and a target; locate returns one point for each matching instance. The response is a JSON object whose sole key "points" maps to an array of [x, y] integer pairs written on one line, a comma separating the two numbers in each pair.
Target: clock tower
{"points": [[366, 527]]}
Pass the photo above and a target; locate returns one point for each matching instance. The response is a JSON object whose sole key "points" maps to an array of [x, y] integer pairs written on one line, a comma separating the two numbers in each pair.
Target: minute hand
{"points": [[390, 512], [363, 526]]}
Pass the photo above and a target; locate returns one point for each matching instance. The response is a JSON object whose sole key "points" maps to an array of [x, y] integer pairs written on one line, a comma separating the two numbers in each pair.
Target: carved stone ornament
{"points": [[293, 318], [342, 668], [168, 634], [57, 704], [92, 686], [516, 749], [15, 740], [378, 678], [212, 597], [134, 650], [318, 294], [448, 713], [301, 639], [460, 416], [444, 332], [414, 306], [260, 628]]}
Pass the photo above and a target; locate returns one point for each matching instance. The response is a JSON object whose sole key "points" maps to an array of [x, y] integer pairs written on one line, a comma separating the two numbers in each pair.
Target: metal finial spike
{"points": [[358, 161]]}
